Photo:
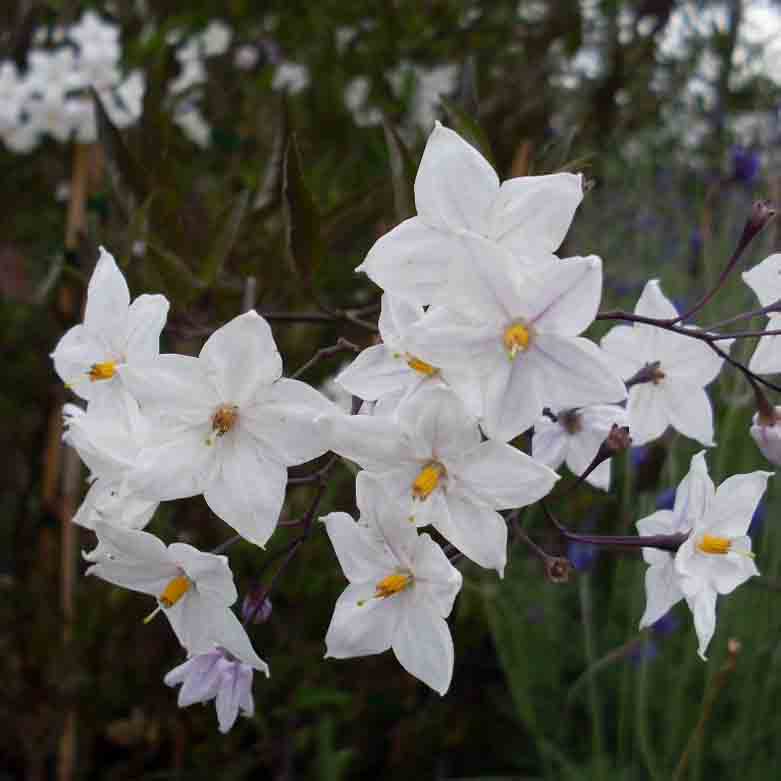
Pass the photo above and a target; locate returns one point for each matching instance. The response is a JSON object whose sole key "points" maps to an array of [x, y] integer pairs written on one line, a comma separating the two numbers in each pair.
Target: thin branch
{"points": [[341, 346]]}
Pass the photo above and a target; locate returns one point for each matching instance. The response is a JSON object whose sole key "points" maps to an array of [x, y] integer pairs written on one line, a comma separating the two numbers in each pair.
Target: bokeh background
{"points": [[672, 109]]}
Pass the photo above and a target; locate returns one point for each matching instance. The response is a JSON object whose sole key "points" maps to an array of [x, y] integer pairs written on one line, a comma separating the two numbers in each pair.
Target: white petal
{"points": [[248, 489], [376, 372], [145, 320], [424, 647], [210, 572], [373, 442], [361, 624], [73, 356], [199, 677], [768, 439], [396, 317], [660, 522], [549, 443], [654, 303], [455, 186], [108, 299], [689, 411], [534, 213], [567, 295], [688, 360], [231, 635], [702, 603], [412, 261], [503, 477], [624, 349], [436, 577], [576, 372], [172, 387], [283, 420], [361, 554], [600, 477], [648, 416], [228, 694], [478, 531], [582, 450], [662, 591], [767, 355], [735, 503], [241, 356], [695, 494], [765, 280], [179, 467], [512, 399]]}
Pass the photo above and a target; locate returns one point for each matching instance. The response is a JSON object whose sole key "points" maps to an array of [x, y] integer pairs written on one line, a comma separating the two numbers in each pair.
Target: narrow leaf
{"points": [[225, 241]]}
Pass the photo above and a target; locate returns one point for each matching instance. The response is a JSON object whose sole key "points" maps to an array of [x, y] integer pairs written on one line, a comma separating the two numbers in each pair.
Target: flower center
{"points": [[571, 421], [393, 584], [175, 590], [421, 366], [711, 543], [102, 371], [427, 480], [224, 419], [517, 339]]}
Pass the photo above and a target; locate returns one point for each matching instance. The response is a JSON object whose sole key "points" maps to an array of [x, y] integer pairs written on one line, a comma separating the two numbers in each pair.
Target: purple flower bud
{"points": [[582, 556], [666, 625], [666, 499], [256, 608], [745, 164]]}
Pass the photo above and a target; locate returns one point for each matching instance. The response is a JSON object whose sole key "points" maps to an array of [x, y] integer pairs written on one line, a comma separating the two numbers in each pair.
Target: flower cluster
{"points": [[481, 340], [50, 97]]}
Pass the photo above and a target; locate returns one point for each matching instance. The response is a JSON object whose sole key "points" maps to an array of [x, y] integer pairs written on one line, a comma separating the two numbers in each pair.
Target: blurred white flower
{"points": [[190, 120], [291, 77], [246, 57]]}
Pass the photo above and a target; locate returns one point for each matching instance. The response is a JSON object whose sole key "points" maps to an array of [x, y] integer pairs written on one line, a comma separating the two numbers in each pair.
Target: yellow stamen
{"points": [[102, 371], [516, 339], [427, 480], [175, 590], [393, 584], [421, 366], [711, 543], [224, 418]]}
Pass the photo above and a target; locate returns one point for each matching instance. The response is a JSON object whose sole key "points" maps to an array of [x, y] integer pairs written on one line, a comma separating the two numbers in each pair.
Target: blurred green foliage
{"points": [[551, 681]]}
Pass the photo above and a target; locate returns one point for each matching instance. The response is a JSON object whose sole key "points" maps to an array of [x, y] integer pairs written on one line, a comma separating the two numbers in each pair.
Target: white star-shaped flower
{"points": [[227, 425], [715, 558], [682, 367], [193, 589], [431, 460], [114, 333], [575, 438], [457, 190], [108, 438], [517, 333], [402, 588], [765, 280]]}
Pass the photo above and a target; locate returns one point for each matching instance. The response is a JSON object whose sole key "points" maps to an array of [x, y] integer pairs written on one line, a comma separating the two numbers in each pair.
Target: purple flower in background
{"points": [[643, 652], [256, 608], [745, 164], [666, 625], [582, 556], [666, 499], [758, 519], [638, 455]]}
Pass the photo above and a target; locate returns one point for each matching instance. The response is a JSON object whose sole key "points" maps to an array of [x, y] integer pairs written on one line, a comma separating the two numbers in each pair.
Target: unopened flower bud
{"points": [[766, 432], [256, 608], [557, 569]]}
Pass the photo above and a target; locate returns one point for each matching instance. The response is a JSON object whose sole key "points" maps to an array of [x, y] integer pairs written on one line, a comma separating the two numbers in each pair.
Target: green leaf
{"points": [[225, 241], [302, 217], [402, 173], [469, 128], [270, 190]]}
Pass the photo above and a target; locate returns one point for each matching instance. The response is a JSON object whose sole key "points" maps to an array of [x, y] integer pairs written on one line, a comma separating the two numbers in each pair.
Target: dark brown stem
{"points": [[341, 346]]}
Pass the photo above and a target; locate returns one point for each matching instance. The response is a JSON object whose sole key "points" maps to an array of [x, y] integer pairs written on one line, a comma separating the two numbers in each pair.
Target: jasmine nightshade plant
{"points": [[680, 368], [402, 588], [715, 557], [515, 332], [227, 425], [457, 190], [115, 333], [194, 590], [430, 459]]}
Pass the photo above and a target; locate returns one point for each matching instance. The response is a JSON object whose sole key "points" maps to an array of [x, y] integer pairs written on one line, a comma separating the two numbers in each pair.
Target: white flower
{"points": [[676, 396], [516, 332], [291, 77], [389, 371], [456, 190], [216, 38], [432, 461], [246, 57], [226, 425], [575, 438], [53, 113], [108, 438], [114, 333], [402, 587], [768, 436], [193, 589], [53, 72], [765, 280], [91, 30], [190, 120], [715, 558], [216, 676]]}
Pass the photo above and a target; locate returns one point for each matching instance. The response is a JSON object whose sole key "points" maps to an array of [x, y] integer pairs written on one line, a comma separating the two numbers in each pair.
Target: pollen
{"points": [[393, 584], [517, 339], [175, 590], [427, 480], [224, 419], [102, 371], [711, 543], [421, 366]]}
